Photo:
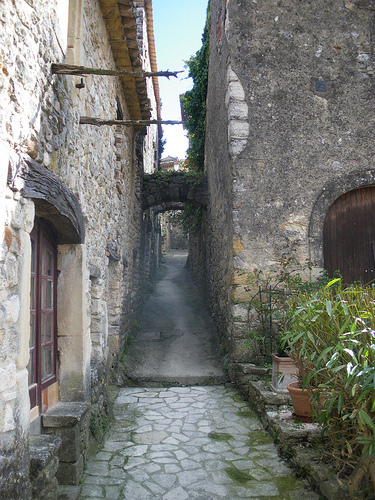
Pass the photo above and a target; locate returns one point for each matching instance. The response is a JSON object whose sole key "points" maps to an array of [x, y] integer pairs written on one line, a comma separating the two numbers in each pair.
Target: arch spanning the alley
{"points": [[171, 191]]}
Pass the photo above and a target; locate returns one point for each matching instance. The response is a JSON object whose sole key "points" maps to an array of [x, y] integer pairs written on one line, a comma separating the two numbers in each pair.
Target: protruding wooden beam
{"points": [[87, 120], [70, 69]]}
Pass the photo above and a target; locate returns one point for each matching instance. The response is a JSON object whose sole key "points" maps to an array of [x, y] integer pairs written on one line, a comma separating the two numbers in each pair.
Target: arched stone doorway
{"points": [[349, 236]]}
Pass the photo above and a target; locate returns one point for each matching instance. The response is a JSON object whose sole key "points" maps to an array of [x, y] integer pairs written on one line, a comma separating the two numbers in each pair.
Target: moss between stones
{"points": [[237, 475], [287, 484], [220, 436], [237, 398], [246, 414], [259, 438]]}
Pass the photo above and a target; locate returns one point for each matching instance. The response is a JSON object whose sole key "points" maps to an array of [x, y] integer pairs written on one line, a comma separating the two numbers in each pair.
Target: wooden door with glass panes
{"points": [[43, 338]]}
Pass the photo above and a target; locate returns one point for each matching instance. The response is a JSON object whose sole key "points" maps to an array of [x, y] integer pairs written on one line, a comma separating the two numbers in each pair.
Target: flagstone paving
{"points": [[183, 443]]}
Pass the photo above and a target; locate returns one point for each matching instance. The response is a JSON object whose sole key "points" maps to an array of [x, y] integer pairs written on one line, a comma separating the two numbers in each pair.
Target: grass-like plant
{"points": [[331, 336]]}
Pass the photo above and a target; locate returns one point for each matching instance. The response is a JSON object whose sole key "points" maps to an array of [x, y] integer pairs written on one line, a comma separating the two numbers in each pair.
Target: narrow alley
{"points": [[175, 343], [174, 439]]}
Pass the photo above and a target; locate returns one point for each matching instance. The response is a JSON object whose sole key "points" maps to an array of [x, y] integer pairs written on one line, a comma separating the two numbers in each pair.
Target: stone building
{"points": [[71, 255], [171, 163], [289, 144]]}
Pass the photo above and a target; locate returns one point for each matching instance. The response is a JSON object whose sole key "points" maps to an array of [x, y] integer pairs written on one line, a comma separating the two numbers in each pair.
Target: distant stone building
{"points": [[73, 251], [172, 163], [289, 145]]}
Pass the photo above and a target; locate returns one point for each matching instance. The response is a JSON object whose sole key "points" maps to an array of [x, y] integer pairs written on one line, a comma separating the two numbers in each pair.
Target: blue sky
{"points": [[178, 27]]}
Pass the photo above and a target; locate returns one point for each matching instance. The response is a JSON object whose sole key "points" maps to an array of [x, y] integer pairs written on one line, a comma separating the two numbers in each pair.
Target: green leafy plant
{"points": [[98, 425], [194, 101], [275, 289], [162, 179], [331, 337]]}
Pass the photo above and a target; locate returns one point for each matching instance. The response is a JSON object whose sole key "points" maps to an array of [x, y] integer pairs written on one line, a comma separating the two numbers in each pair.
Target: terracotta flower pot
{"points": [[300, 400], [283, 370]]}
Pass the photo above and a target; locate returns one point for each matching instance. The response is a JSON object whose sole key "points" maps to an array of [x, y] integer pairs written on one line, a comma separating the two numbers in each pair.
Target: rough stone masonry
{"points": [[74, 192], [290, 114]]}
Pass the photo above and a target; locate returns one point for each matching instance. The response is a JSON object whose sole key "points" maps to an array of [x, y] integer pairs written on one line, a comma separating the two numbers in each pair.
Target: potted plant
{"points": [[331, 336], [283, 372], [272, 303], [306, 335]]}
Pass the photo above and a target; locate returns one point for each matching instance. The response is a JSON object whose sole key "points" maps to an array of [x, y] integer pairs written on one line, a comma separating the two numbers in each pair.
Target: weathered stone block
{"points": [[174, 192], [238, 129], [43, 449], [71, 443], [65, 414], [236, 91], [44, 463], [70, 473], [240, 311], [237, 110], [237, 146]]}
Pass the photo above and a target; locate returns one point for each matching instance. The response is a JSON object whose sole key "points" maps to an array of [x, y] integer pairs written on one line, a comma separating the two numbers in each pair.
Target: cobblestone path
{"points": [[183, 443]]}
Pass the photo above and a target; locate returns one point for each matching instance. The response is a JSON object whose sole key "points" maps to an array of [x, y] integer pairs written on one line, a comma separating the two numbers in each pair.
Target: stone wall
{"points": [[173, 235], [290, 103], [218, 232], [101, 168]]}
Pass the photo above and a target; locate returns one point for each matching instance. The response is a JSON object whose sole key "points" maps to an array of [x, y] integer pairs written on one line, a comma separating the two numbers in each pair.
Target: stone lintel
{"points": [[65, 414]]}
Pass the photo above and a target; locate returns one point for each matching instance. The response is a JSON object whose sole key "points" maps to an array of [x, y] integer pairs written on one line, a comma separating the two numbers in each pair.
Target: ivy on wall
{"points": [[194, 101]]}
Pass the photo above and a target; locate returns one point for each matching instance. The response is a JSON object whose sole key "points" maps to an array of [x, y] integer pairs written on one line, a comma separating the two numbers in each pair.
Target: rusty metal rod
{"points": [[87, 120], [70, 69]]}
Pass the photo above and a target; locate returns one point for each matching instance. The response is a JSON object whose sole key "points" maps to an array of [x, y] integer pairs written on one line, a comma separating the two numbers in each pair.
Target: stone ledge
{"points": [[65, 414], [44, 462], [43, 448], [243, 372], [275, 411], [288, 432]]}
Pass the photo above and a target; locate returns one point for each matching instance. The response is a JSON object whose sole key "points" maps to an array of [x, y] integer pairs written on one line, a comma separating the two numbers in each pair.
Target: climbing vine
{"points": [[194, 101], [189, 218]]}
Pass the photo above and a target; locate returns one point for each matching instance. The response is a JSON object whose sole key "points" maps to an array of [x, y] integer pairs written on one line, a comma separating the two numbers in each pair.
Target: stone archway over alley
{"points": [[183, 433]]}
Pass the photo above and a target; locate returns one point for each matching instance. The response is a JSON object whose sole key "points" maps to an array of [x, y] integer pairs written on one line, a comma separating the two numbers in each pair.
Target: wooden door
{"points": [[43, 338], [349, 236]]}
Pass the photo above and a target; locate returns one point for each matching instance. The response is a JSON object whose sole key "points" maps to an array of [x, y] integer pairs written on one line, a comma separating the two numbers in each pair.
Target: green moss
{"points": [[220, 436], [237, 475], [259, 438], [246, 414], [287, 484], [237, 398]]}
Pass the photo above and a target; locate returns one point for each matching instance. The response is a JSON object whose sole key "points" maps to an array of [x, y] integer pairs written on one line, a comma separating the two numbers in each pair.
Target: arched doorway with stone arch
{"points": [[342, 227], [349, 236]]}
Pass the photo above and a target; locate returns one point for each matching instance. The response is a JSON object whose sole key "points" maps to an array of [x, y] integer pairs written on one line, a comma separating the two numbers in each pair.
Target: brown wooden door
{"points": [[349, 236]]}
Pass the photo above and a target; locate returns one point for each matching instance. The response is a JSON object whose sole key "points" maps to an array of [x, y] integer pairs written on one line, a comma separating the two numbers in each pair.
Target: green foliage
{"points": [[190, 218], [162, 179], [194, 179], [98, 426], [274, 290], [331, 337], [194, 101]]}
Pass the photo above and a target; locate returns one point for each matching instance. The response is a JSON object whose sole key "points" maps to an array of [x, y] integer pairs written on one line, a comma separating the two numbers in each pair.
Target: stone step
{"points": [[175, 380]]}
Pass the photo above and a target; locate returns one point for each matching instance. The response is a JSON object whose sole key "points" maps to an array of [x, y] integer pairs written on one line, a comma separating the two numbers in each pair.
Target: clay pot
{"points": [[283, 371], [300, 400]]}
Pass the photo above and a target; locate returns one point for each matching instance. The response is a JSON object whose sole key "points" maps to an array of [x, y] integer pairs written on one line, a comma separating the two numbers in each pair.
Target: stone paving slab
{"points": [[185, 443]]}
